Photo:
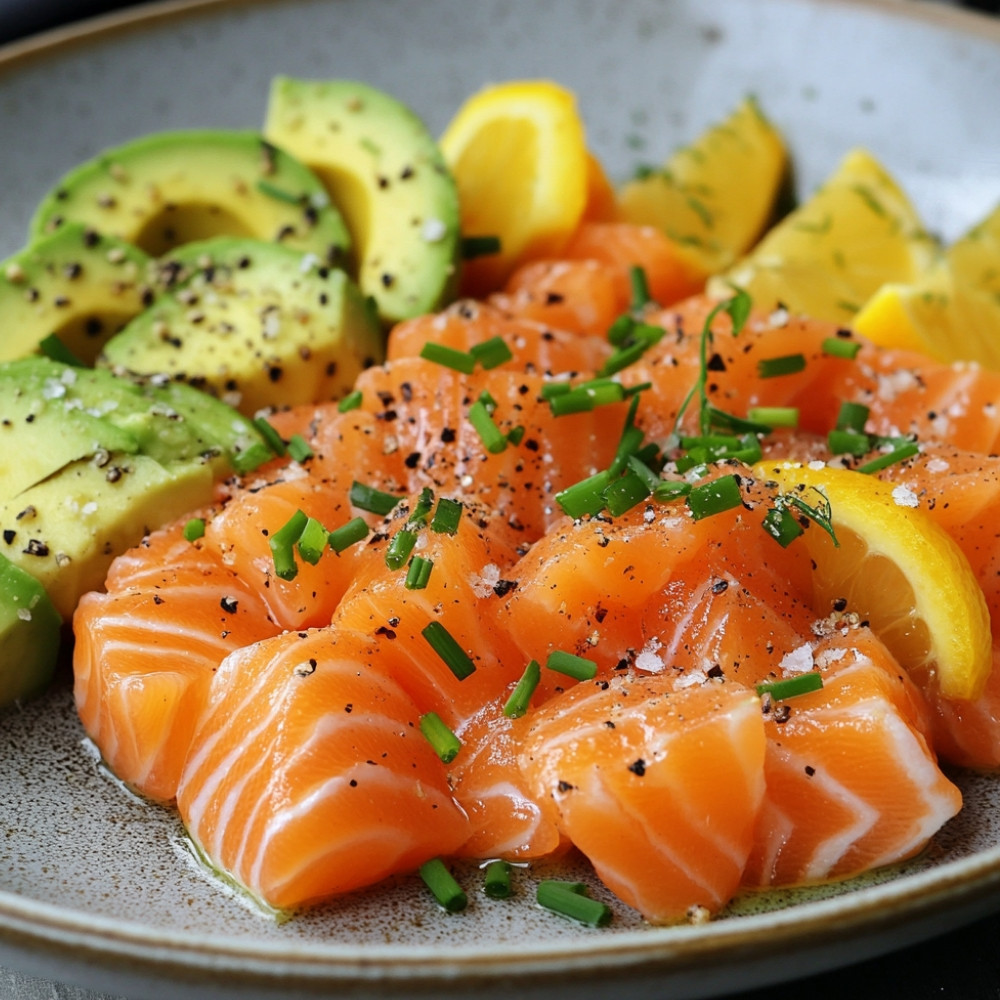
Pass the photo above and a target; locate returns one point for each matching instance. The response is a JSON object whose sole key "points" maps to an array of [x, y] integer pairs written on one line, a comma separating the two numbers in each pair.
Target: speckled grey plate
{"points": [[98, 889]]}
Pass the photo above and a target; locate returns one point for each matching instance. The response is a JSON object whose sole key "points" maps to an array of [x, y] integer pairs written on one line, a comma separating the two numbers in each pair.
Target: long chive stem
{"points": [[446, 646], [577, 667], [520, 697], [445, 743], [792, 686], [448, 893], [569, 899]]}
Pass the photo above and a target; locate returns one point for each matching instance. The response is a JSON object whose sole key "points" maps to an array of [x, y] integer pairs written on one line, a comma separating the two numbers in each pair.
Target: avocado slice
{"points": [[256, 324], [29, 635], [65, 530], [170, 188], [76, 284], [385, 173]]}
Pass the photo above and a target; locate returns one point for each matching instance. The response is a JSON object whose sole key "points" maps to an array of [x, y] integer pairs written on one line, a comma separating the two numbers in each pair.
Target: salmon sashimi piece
{"points": [[309, 776], [537, 344], [467, 576], [145, 653], [852, 783], [506, 819], [659, 787]]}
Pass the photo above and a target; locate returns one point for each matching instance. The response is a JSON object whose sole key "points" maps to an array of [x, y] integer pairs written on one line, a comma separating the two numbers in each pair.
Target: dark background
{"points": [[960, 965]]}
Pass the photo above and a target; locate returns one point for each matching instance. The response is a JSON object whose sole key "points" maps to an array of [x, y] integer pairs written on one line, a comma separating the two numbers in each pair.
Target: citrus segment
{"points": [[828, 257], [899, 571], [715, 196], [518, 153]]}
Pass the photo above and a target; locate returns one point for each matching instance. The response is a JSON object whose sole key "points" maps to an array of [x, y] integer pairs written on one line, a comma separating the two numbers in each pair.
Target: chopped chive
{"points": [[418, 573], [270, 436], [516, 435], [639, 468], [251, 458], [890, 458], [370, 499], [774, 416], [280, 194], [445, 743], [487, 399], [714, 497], [624, 357], [792, 686], [841, 347], [350, 402], [443, 886], [444, 644], [575, 401], [313, 540], [569, 899], [496, 883], [626, 492], [620, 329], [400, 548], [517, 703], [447, 516], [460, 361], [640, 288], [821, 514], [556, 388], [194, 529], [782, 525], [671, 489], [577, 667], [52, 347], [848, 442], [348, 534], [852, 417], [479, 246], [787, 364], [298, 448], [491, 353], [282, 544], [492, 437], [423, 507], [727, 421], [585, 496], [628, 444]]}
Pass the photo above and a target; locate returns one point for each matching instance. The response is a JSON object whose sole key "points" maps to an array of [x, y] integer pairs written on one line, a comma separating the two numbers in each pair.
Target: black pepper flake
{"points": [[782, 714], [354, 782], [840, 604], [448, 435], [229, 605], [810, 770], [720, 586], [412, 460], [565, 786], [385, 631], [638, 767], [157, 600], [716, 363], [349, 707], [714, 671], [503, 587], [36, 547], [9, 535]]}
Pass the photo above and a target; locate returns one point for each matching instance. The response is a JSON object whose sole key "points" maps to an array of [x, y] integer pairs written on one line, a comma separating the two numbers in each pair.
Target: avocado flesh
{"points": [[29, 635], [76, 284], [255, 324], [66, 530], [385, 173], [170, 188]]}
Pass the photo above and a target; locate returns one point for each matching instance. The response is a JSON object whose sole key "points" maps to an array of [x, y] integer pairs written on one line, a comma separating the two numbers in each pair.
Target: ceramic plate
{"points": [[99, 889]]}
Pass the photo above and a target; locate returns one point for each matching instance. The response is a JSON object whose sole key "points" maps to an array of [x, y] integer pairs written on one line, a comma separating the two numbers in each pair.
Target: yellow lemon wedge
{"points": [[828, 257], [518, 153], [897, 569], [953, 312], [715, 197]]}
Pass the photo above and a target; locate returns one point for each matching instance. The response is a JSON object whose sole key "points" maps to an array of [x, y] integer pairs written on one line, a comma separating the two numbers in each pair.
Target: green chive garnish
{"points": [[491, 435], [516, 435], [460, 361], [313, 541], [445, 743], [282, 544], [350, 402], [443, 886], [848, 442], [841, 347], [480, 246], [348, 534], [298, 448], [491, 353], [370, 499], [270, 435], [400, 548], [671, 489], [782, 525], [569, 899], [626, 492], [52, 347], [852, 417], [714, 497], [496, 884], [194, 529], [447, 517], [423, 507], [890, 458], [517, 703], [774, 416], [792, 686], [418, 573], [584, 497], [787, 364], [571, 665], [640, 288], [251, 458], [444, 644]]}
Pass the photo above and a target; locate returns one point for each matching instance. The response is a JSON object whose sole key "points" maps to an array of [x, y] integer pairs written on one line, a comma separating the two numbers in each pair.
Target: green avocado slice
{"points": [[170, 188], [386, 175]]}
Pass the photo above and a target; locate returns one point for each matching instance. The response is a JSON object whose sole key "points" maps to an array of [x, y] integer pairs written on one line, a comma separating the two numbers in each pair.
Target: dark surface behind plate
{"points": [[961, 965]]}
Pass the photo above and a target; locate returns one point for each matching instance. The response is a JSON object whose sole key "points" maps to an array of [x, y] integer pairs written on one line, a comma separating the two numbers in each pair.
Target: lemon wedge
{"points": [[518, 153], [898, 570], [716, 196], [828, 257], [953, 312]]}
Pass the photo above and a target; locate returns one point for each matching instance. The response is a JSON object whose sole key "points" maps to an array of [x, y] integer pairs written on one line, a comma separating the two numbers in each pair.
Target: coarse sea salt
{"points": [[799, 660], [904, 496]]}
